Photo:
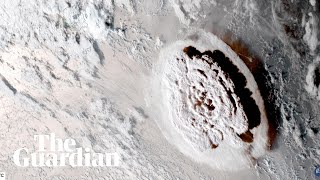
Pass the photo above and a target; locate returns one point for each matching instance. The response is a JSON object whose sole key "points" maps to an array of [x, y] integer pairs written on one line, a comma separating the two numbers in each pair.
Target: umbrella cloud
{"points": [[215, 110]]}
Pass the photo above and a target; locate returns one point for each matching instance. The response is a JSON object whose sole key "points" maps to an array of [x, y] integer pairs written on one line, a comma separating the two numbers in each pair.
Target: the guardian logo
{"points": [[2, 176], [62, 153]]}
